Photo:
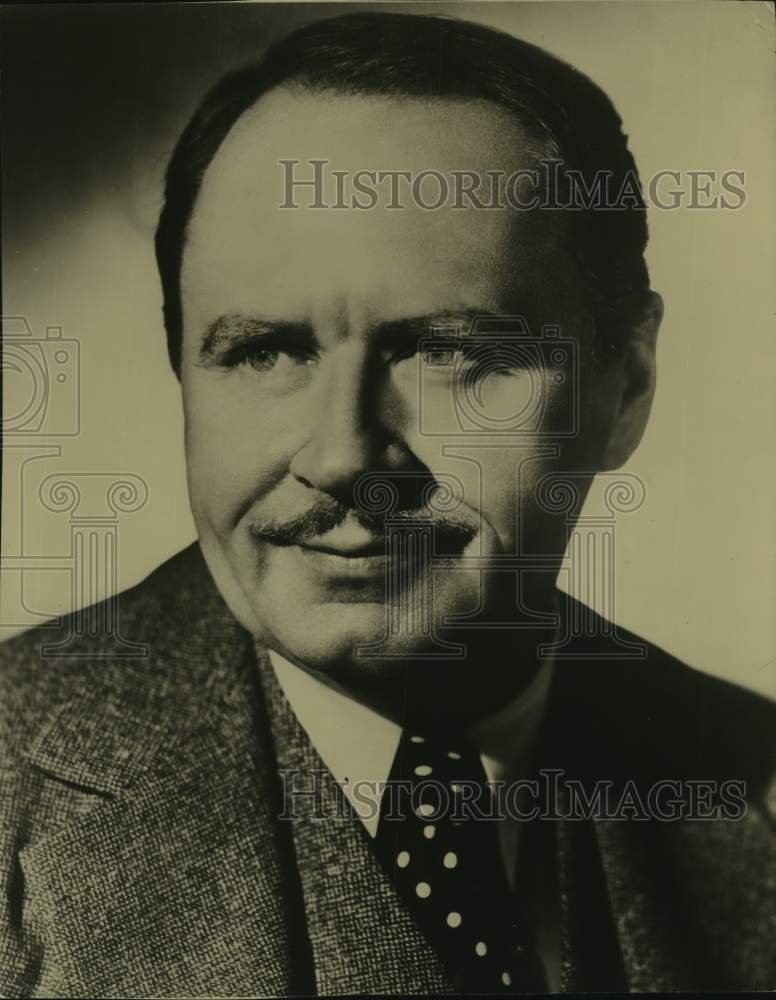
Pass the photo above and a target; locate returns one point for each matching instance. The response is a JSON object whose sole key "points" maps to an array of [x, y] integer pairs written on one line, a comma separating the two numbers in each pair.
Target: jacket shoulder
{"points": [[666, 713], [46, 665]]}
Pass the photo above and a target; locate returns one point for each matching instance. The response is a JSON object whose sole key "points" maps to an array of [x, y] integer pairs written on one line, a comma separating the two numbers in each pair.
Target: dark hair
{"points": [[419, 56]]}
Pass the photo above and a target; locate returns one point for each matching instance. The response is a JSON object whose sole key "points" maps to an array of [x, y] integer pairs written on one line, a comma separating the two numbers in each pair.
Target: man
{"points": [[372, 604]]}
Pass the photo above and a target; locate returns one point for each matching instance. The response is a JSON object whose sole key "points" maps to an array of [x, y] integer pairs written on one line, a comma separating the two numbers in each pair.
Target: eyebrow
{"points": [[234, 328], [453, 325]]}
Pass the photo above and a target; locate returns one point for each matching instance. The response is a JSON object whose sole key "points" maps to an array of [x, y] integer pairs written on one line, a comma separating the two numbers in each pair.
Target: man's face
{"points": [[303, 372]]}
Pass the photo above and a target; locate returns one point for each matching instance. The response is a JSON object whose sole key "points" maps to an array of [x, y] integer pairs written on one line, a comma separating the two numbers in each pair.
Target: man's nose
{"points": [[347, 436]]}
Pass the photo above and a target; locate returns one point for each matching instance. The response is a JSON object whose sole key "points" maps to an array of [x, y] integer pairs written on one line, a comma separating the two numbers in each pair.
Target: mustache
{"points": [[325, 515]]}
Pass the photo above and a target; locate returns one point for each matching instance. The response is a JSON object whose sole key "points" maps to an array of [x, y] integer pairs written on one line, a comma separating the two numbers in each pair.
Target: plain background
{"points": [[93, 99]]}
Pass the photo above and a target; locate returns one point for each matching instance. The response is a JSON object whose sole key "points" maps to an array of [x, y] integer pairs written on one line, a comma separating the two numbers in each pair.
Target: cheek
{"points": [[237, 446]]}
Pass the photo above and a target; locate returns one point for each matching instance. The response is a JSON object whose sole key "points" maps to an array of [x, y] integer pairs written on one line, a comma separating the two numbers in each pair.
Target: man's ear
{"points": [[636, 386]]}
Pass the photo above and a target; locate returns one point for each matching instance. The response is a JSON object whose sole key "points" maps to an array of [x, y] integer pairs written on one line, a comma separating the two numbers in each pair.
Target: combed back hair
{"points": [[403, 55]]}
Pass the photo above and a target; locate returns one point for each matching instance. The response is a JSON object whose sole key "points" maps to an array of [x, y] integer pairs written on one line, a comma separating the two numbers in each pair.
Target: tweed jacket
{"points": [[141, 853]]}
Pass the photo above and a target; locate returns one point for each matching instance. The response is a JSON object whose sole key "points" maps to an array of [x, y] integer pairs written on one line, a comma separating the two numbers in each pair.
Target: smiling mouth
{"points": [[378, 559], [352, 552]]}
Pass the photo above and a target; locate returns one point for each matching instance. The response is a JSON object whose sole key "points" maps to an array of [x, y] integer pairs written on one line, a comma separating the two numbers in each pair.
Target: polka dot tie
{"points": [[443, 857]]}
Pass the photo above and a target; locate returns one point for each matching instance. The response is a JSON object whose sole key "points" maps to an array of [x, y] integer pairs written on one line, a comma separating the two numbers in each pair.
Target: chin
{"points": [[330, 637]]}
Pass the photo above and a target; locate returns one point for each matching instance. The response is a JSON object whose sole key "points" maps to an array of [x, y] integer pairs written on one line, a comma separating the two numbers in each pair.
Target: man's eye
{"points": [[455, 356], [267, 359], [262, 359], [442, 355], [439, 358], [475, 359]]}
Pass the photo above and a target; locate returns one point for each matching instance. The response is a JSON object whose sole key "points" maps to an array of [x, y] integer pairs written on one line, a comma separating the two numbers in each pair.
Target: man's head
{"points": [[298, 334]]}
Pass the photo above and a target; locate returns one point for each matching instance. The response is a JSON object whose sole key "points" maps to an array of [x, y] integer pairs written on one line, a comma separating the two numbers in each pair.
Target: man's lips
{"points": [[377, 548], [351, 541], [337, 566], [353, 558]]}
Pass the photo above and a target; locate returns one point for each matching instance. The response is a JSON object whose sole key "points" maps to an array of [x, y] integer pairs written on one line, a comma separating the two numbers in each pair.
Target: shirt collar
{"points": [[358, 744]]}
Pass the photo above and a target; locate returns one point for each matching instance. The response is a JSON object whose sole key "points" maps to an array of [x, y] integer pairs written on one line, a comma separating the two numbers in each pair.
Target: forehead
{"points": [[246, 252]]}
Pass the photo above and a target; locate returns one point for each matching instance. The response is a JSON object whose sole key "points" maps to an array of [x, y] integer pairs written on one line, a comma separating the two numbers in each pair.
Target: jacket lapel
{"points": [[179, 881], [690, 911], [616, 925], [678, 901], [363, 938]]}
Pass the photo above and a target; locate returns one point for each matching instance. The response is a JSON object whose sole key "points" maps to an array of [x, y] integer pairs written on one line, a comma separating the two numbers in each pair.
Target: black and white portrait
{"points": [[388, 540]]}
